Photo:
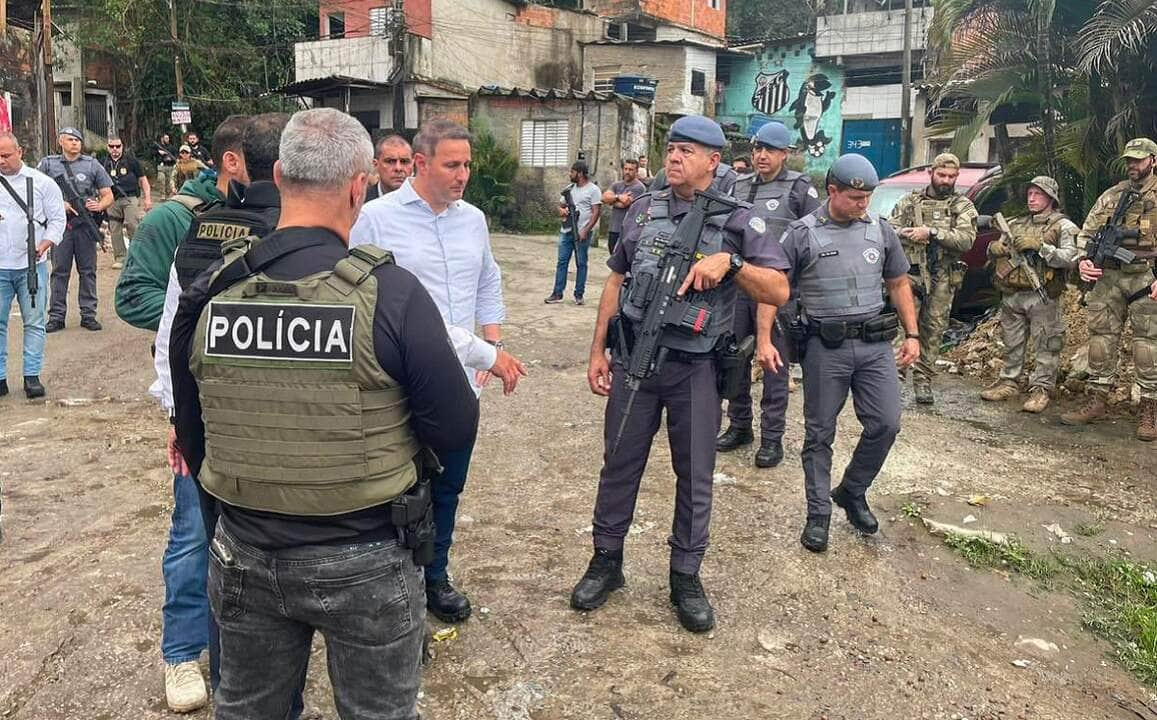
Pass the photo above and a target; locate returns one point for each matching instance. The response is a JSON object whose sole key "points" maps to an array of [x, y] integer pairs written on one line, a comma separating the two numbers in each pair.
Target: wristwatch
{"points": [[933, 232], [736, 266], [912, 336], [497, 344]]}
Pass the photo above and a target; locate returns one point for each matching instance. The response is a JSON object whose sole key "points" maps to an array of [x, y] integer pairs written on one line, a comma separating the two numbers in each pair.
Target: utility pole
{"points": [[906, 91], [48, 100], [178, 73], [397, 31]]}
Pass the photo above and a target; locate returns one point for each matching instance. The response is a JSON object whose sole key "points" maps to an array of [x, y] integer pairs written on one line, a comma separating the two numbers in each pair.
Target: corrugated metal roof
{"points": [[319, 86], [553, 94]]}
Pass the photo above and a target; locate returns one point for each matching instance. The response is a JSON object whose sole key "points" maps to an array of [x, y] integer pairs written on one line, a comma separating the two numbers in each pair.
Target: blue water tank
{"points": [[636, 86]]}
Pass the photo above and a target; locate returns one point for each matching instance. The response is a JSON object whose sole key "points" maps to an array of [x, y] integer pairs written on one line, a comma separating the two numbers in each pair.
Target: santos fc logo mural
{"points": [[811, 101]]}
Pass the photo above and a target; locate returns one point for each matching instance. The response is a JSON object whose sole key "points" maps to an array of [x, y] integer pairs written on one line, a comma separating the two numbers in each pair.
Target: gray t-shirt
{"points": [[88, 175], [584, 198], [635, 190]]}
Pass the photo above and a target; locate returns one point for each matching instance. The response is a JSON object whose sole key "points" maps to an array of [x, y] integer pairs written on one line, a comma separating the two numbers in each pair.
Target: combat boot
{"points": [[1038, 400], [815, 533], [999, 391], [857, 510], [770, 454], [735, 436], [1094, 409], [1147, 427], [691, 604], [604, 575], [33, 388], [922, 389]]}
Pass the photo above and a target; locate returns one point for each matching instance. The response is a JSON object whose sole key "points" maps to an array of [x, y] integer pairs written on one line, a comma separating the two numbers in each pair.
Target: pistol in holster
{"points": [[733, 364], [798, 331], [413, 512], [620, 338]]}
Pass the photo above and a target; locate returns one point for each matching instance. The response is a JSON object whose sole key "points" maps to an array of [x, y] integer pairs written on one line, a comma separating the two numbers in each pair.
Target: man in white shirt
{"points": [[26, 195], [444, 241]]}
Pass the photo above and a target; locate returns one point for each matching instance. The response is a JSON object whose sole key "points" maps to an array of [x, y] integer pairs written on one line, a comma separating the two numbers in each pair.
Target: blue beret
{"points": [[71, 132], [774, 134], [854, 171], [697, 129]]}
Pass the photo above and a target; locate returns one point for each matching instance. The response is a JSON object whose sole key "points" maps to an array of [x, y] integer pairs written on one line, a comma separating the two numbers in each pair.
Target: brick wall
{"points": [[357, 16], [697, 14]]}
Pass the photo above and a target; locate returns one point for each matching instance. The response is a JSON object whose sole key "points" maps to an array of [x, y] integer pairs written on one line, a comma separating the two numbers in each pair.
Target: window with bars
{"points": [[379, 18], [698, 83], [545, 143]]}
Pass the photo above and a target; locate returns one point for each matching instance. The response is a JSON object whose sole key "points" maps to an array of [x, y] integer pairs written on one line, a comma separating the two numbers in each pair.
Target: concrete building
{"points": [[549, 129], [649, 20], [684, 69]]}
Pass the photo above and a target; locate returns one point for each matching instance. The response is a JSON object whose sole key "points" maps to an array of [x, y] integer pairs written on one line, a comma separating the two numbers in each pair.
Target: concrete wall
{"points": [[794, 88], [19, 90], [869, 33], [367, 58], [671, 65]]}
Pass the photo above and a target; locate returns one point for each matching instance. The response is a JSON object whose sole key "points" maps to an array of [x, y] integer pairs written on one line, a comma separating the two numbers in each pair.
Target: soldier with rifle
{"points": [[87, 190], [1030, 264], [1118, 255], [687, 250], [31, 221]]}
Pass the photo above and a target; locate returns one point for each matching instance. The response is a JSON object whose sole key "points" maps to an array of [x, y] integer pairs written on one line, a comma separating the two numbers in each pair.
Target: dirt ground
{"points": [[894, 626]]}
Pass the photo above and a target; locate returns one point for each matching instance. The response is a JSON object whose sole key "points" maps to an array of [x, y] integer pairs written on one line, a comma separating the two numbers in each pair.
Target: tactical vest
{"points": [[1142, 214], [770, 200], [1008, 279], [845, 271], [209, 230], [645, 271], [300, 418]]}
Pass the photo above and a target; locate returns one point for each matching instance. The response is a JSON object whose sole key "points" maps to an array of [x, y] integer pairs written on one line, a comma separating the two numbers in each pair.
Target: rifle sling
{"points": [[20, 201]]}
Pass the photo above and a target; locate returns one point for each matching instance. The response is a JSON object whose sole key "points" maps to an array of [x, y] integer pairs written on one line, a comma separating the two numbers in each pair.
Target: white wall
{"points": [[875, 102], [366, 58]]}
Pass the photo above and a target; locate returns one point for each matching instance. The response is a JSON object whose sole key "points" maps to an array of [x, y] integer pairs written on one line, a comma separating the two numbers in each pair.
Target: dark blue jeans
{"points": [[567, 247], [444, 492], [367, 600]]}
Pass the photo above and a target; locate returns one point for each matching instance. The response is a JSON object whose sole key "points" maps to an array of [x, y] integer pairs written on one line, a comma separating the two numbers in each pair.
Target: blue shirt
{"points": [[450, 254]]}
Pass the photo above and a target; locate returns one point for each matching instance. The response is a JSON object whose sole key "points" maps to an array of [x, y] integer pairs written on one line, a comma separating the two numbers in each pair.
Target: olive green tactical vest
{"points": [[300, 418], [1009, 279], [1142, 214]]}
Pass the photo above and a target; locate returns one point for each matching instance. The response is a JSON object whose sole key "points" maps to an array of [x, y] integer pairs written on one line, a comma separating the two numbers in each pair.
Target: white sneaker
{"points": [[184, 687], [117, 265]]}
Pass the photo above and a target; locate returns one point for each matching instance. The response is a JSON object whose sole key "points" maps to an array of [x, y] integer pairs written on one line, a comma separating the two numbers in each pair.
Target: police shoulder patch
{"points": [[757, 224], [811, 191], [280, 331]]}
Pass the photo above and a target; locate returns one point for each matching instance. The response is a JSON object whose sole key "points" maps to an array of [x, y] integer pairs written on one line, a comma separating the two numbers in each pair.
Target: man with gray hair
{"points": [[393, 163], [310, 382], [441, 238]]}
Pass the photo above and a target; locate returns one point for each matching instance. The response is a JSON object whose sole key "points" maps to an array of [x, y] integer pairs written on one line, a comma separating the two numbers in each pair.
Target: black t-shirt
{"points": [[126, 174], [166, 154], [200, 152], [411, 345]]}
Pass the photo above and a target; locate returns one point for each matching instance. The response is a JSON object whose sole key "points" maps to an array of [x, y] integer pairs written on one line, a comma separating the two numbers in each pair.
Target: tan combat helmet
{"points": [[1048, 186], [1139, 148]]}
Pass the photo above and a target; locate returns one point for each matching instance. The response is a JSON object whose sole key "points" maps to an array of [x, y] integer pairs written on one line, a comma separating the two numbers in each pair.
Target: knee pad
{"points": [[1054, 343], [1100, 351]]}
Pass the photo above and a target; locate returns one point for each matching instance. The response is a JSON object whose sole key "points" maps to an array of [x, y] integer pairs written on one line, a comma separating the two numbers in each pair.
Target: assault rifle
{"points": [[33, 277], [664, 308], [571, 212], [1017, 260], [1106, 243], [84, 219]]}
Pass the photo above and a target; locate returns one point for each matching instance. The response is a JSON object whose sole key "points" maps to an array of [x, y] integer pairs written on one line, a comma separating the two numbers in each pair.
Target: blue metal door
{"points": [[877, 140]]}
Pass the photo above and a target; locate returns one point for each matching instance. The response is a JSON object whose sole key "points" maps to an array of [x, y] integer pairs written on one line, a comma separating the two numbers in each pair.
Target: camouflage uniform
{"points": [[1048, 240], [935, 279], [1107, 309]]}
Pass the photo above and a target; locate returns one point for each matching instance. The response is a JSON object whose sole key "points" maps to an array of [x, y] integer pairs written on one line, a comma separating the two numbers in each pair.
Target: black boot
{"points": [[815, 533], [3, 387], [32, 386], [734, 437], [446, 603], [770, 454], [691, 604], [53, 325], [604, 575], [859, 514]]}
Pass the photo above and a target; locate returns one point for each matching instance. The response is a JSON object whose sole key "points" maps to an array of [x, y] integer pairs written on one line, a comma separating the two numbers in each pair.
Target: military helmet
{"points": [[773, 134], [854, 171], [1048, 186]]}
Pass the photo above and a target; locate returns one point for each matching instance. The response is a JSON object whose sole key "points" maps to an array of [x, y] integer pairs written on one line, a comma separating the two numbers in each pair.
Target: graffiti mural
{"points": [[784, 82], [813, 100]]}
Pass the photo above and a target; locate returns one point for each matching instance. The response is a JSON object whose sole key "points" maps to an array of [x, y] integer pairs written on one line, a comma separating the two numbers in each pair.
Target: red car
{"points": [[978, 183]]}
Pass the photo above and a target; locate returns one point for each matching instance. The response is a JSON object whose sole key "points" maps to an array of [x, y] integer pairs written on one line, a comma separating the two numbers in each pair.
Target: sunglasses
{"points": [[111, 146], [183, 152]]}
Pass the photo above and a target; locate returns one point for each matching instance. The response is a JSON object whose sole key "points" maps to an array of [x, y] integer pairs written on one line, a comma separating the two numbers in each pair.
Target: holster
{"points": [[413, 515], [733, 364], [882, 328], [620, 338], [798, 331]]}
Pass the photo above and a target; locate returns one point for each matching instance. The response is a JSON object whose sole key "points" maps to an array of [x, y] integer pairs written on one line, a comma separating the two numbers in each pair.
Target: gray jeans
{"points": [[368, 601]]}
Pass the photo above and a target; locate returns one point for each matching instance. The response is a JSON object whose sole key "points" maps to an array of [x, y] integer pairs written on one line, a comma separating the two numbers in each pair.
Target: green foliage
{"points": [[1011, 556], [1088, 529], [751, 20], [911, 510], [492, 170]]}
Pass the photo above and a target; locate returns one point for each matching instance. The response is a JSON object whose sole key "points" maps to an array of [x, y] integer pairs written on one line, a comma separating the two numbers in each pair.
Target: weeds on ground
{"points": [[1119, 597], [911, 510], [1088, 529]]}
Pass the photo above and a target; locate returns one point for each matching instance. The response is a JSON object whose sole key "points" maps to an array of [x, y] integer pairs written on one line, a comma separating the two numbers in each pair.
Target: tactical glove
{"points": [[1025, 243], [997, 249]]}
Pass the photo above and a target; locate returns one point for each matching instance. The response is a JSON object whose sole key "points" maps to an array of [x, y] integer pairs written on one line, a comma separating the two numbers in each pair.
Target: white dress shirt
{"points": [[450, 254], [47, 212]]}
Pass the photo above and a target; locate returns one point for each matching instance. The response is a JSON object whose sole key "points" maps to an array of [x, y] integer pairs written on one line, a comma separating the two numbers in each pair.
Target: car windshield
{"points": [[885, 197]]}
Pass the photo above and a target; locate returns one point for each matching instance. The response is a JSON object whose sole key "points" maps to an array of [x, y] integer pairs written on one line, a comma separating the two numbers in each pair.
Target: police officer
{"points": [[306, 392], [937, 226], [778, 196], [1117, 282], [841, 257], [735, 251], [1046, 241], [723, 181], [82, 178], [132, 194]]}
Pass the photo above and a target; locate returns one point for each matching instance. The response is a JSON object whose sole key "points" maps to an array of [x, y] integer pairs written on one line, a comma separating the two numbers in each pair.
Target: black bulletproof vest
{"points": [[211, 229]]}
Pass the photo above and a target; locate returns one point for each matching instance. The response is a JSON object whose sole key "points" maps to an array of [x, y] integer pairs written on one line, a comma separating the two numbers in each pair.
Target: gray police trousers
{"points": [[773, 403], [869, 371], [75, 247], [688, 393]]}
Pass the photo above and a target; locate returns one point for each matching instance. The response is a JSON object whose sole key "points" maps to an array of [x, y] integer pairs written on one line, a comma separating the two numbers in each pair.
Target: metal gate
{"points": [[877, 140]]}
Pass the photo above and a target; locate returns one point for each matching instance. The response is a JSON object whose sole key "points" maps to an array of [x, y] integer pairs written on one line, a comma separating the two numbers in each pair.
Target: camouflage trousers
{"points": [[932, 311], [1107, 313], [1025, 319]]}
